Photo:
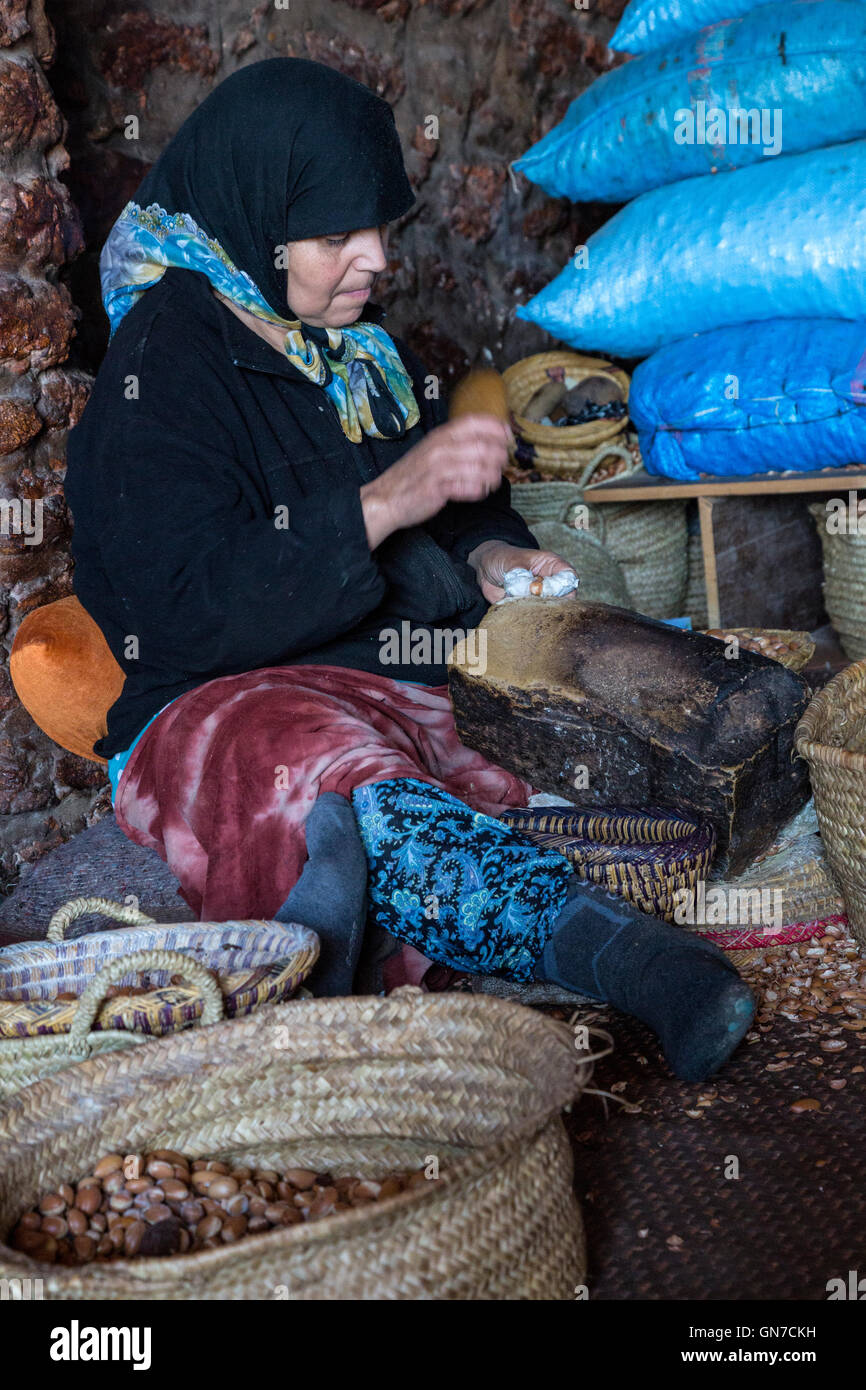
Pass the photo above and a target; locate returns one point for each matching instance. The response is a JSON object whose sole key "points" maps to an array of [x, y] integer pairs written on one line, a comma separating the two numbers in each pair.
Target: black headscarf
{"points": [[282, 150]]}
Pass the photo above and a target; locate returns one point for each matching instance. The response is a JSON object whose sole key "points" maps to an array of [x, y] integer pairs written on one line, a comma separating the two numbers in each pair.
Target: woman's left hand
{"points": [[492, 559]]}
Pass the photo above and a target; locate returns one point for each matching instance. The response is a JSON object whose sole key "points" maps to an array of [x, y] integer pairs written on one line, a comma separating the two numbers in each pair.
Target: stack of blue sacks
{"points": [[737, 268]]}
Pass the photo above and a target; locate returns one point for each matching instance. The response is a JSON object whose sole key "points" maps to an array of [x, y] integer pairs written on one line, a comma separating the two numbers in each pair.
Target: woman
{"points": [[264, 484]]}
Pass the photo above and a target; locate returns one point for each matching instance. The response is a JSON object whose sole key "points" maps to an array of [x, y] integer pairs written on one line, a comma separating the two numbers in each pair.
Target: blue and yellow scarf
{"points": [[360, 368]]}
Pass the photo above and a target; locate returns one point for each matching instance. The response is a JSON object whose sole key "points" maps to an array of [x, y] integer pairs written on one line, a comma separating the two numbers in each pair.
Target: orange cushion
{"points": [[65, 675]]}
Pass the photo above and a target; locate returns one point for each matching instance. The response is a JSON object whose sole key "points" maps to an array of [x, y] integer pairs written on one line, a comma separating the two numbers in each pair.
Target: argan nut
{"points": [[300, 1178], [171, 1156], [85, 1247], [175, 1189], [233, 1228], [158, 1168], [55, 1226], [77, 1221], [202, 1179], [52, 1204], [112, 1163], [88, 1200], [132, 1238], [222, 1187], [208, 1226], [160, 1212]]}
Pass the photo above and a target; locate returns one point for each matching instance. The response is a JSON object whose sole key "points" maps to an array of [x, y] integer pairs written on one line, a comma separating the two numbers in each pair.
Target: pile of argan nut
{"points": [[162, 1203]]}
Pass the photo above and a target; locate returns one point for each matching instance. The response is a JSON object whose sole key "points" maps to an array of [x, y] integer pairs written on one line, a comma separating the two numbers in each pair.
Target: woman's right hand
{"points": [[461, 461]]}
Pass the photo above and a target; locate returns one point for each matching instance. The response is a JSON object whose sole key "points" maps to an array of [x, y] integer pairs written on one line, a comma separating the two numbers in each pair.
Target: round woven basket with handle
{"points": [[831, 737], [229, 968], [362, 1085], [571, 450]]}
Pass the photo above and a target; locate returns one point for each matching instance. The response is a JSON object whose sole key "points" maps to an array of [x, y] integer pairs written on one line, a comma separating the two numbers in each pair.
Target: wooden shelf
{"points": [[645, 487]]}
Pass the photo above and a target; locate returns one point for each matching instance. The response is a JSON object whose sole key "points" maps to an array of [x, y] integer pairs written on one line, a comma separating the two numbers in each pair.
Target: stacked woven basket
{"points": [[831, 737]]}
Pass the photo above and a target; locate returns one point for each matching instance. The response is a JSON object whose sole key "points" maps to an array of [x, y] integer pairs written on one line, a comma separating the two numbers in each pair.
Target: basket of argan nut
{"points": [[361, 1148]]}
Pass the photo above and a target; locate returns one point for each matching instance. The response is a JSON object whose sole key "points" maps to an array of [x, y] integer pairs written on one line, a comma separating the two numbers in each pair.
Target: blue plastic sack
{"points": [[782, 239], [649, 24], [759, 397], [783, 79]]}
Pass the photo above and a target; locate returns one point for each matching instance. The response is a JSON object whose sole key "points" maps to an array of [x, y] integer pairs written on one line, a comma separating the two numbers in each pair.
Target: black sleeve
{"points": [[461, 526], [203, 582]]}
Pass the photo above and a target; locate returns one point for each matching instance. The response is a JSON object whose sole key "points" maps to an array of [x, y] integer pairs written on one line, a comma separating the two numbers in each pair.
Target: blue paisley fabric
{"points": [[359, 369], [462, 887]]}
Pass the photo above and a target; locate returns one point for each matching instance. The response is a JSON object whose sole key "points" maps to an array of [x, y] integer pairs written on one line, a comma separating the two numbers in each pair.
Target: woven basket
{"points": [[240, 966], [830, 737], [647, 539], [844, 583], [695, 600], [569, 449], [357, 1085], [648, 858]]}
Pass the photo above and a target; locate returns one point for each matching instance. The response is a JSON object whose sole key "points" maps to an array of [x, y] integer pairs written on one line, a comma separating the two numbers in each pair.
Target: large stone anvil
{"points": [[611, 709]]}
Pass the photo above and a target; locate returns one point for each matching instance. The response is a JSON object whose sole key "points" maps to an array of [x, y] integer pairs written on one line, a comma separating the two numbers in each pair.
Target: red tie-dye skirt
{"points": [[221, 783]]}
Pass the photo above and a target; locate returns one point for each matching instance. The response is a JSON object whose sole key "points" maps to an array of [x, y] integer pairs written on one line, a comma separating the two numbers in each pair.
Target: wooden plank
{"points": [[644, 487], [708, 553]]}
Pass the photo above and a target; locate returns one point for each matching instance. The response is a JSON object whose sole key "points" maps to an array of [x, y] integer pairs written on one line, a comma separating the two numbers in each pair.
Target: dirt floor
{"points": [[750, 1186]]}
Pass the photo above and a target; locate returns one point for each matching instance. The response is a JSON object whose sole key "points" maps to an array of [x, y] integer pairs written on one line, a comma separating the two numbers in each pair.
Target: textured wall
{"points": [[44, 792]]}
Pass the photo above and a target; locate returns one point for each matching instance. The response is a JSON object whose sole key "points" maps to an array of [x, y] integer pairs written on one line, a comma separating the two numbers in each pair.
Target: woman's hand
{"points": [[461, 461], [492, 559]]}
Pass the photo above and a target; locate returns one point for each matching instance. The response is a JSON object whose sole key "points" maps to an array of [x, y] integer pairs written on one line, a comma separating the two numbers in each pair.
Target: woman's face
{"points": [[329, 278]]}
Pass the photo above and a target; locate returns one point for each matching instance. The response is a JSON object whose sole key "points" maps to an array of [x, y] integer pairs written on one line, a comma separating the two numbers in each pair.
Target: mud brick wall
{"points": [[472, 83], [44, 792]]}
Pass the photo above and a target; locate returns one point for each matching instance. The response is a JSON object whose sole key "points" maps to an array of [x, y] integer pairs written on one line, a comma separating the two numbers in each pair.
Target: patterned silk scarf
{"points": [[359, 368]]}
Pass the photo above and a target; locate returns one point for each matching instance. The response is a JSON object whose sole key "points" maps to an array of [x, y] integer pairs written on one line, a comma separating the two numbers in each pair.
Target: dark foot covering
{"points": [[682, 986], [330, 897]]}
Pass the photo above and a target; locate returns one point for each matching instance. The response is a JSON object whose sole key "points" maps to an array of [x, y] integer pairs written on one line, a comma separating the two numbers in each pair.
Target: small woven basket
{"points": [[695, 598], [254, 962], [572, 450], [352, 1086], [844, 557], [645, 857], [831, 737]]}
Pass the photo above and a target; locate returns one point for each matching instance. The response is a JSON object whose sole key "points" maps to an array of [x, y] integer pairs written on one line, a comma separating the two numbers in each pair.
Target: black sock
{"points": [[684, 987], [330, 897]]}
